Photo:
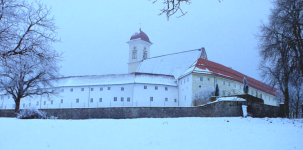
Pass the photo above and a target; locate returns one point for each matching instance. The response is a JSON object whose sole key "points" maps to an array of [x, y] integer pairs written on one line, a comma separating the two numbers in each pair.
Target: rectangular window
{"points": [[156, 87], [115, 98], [77, 100], [82, 89], [201, 78], [187, 79], [128, 99], [91, 89], [23, 105], [101, 88], [37, 103], [175, 100], [91, 100], [71, 89], [235, 85], [166, 99], [100, 99], [52, 102], [145, 87], [122, 99], [122, 88], [62, 90], [44, 102], [108, 88], [29, 104], [166, 88], [151, 99], [61, 100], [223, 82], [228, 83]]}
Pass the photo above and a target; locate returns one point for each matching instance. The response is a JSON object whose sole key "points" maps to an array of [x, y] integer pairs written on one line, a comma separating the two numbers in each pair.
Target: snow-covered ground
{"points": [[148, 133]]}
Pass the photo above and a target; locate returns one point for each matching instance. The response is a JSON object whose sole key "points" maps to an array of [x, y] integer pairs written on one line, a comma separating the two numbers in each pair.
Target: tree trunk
{"points": [[286, 103], [17, 108]]}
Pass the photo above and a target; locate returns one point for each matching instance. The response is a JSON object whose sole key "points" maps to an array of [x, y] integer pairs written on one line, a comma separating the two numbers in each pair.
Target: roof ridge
{"points": [[173, 53], [92, 75]]}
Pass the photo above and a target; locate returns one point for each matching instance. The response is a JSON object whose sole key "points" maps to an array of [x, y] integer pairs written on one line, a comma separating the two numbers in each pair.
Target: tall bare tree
{"points": [[28, 60], [280, 63]]}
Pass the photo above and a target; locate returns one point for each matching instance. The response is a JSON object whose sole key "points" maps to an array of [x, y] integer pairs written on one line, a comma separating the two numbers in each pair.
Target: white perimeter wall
{"points": [[139, 97]]}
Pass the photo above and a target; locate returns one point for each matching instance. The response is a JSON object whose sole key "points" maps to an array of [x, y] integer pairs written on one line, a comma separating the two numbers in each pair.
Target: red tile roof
{"points": [[228, 73]]}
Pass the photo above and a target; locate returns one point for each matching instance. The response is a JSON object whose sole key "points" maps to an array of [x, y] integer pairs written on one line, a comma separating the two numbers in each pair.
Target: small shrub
{"points": [[32, 113]]}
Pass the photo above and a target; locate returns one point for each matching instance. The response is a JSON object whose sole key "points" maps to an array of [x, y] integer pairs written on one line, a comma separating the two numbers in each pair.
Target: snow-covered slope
{"points": [[162, 133]]}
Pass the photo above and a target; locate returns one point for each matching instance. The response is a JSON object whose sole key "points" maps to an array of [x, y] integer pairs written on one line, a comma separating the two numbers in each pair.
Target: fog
{"points": [[94, 33]]}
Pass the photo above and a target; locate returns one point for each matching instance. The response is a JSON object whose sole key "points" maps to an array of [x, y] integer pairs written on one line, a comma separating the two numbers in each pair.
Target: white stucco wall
{"points": [[139, 97], [142, 96], [185, 91]]}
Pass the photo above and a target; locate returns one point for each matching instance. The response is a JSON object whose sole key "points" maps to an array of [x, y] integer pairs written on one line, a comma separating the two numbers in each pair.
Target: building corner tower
{"points": [[139, 49]]}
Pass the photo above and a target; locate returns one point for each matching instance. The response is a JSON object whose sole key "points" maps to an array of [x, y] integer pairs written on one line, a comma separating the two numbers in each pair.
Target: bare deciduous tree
{"points": [[25, 28], [28, 60], [279, 63], [203, 96]]}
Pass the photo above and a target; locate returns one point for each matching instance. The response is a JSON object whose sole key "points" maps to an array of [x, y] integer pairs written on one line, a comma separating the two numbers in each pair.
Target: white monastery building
{"points": [[164, 81]]}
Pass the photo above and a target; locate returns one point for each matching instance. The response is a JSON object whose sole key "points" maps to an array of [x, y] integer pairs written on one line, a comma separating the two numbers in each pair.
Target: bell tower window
{"points": [[134, 54], [145, 55]]}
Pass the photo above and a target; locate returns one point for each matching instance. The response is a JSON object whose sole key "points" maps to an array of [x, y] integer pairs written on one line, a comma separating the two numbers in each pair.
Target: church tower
{"points": [[139, 49]]}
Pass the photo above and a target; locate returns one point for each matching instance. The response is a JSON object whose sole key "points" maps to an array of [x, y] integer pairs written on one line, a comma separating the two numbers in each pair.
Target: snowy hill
{"points": [[148, 133]]}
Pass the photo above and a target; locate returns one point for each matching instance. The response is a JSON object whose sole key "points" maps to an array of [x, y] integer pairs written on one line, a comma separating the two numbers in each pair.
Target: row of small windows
{"points": [[109, 88], [92, 89], [122, 99], [166, 99]]}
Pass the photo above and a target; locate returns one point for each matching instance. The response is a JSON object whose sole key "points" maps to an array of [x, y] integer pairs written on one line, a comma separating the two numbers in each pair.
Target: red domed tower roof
{"points": [[140, 35]]}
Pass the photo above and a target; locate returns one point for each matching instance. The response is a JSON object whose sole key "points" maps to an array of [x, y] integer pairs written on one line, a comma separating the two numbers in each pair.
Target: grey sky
{"points": [[94, 33]]}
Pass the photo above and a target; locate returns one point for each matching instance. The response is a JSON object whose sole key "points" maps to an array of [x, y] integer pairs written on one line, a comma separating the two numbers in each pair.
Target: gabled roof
{"points": [[172, 64], [204, 66]]}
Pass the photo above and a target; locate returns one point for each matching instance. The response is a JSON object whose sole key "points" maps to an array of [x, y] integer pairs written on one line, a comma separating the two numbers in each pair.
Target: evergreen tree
{"points": [[245, 86], [217, 92]]}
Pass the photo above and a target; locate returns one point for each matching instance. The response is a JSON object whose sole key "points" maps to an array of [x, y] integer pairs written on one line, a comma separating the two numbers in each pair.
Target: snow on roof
{"points": [[113, 79], [231, 99], [172, 64]]}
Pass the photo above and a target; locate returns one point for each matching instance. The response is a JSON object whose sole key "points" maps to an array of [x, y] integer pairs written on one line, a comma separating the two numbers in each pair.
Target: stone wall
{"points": [[217, 109], [263, 110]]}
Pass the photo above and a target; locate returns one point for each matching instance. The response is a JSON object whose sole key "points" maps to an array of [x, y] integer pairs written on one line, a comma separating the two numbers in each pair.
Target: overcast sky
{"points": [[94, 33]]}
